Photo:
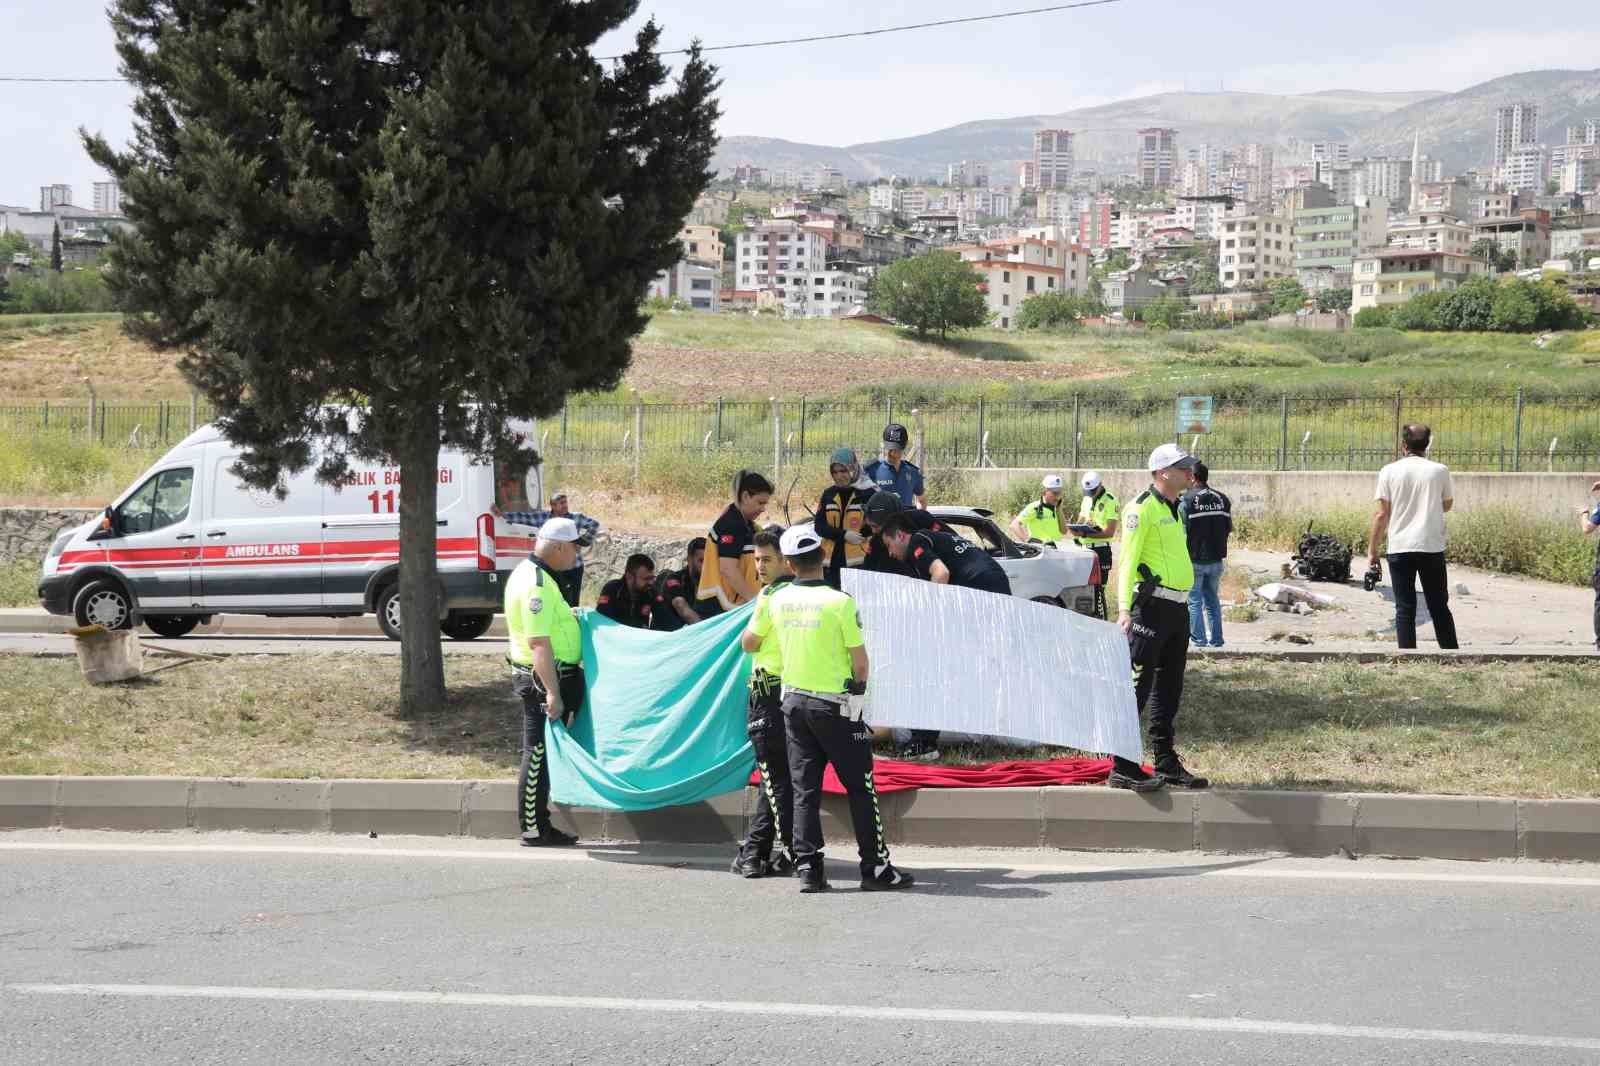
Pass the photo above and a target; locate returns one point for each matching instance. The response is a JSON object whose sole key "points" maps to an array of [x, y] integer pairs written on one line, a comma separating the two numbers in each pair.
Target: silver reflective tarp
{"points": [[974, 662]]}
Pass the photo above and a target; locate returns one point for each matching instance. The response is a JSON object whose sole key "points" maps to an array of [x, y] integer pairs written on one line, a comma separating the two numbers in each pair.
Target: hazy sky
{"points": [[907, 83]]}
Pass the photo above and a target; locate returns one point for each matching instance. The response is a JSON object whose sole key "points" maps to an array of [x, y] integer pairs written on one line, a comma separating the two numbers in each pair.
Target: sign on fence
{"points": [[1194, 414]]}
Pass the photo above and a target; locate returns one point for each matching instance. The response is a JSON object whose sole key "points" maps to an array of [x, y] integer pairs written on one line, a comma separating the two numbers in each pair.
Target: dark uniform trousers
{"points": [[533, 779], [1158, 644], [773, 820], [818, 734], [1103, 551]]}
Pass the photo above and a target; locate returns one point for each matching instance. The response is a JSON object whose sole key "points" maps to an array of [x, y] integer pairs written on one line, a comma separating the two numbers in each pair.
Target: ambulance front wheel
{"points": [[103, 602], [464, 626], [387, 609]]}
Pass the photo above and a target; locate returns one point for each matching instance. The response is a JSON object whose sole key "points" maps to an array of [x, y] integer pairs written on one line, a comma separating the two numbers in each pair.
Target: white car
{"points": [[1064, 576]]}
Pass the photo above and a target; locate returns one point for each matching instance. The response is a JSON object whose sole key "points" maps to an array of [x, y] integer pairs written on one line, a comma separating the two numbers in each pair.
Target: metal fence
{"points": [[1488, 433]]}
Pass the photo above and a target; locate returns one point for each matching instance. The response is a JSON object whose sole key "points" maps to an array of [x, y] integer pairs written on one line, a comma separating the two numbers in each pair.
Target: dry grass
{"points": [[47, 360], [1501, 729]]}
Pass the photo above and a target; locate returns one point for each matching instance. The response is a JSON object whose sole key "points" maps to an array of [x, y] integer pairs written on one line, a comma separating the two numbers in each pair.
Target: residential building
{"points": [[968, 172], [823, 178], [1304, 197], [1526, 234], [1230, 303], [1052, 159], [1158, 157], [1328, 239], [1094, 223], [702, 244], [1526, 169], [1201, 217], [1580, 175], [1569, 239], [1256, 163], [913, 201], [1432, 232], [697, 284], [1001, 203], [1253, 249], [1452, 197], [1330, 153], [51, 196], [1126, 292], [1498, 204], [1382, 176], [1340, 180], [108, 197], [1588, 132], [1199, 174], [882, 197], [773, 251], [1027, 176], [1041, 261], [823, 293], [1515, 126], [1395, 275]]}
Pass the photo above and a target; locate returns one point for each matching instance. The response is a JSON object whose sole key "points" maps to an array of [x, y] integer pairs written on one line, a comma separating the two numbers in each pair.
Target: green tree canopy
{"points": [[444, 214], [1372, 318], [1056, 310], [1287, 295], [1334, 300], [1165, 313], [933, 293]]}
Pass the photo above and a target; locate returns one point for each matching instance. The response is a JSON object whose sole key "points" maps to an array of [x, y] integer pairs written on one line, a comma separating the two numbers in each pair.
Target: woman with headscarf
{"points": [[839, 514]]}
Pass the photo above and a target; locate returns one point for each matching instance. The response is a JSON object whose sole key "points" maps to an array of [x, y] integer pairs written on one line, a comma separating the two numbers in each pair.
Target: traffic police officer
{"points": [[773, 821], [893, 473], [1153, 610], [824, 662], [1099, 509], [546, 657], [1043, 519]]}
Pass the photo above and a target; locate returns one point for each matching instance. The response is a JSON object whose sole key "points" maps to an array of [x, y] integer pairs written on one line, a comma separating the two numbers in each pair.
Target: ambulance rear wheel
{"points": [[387, 609], [463, 626], [171, 626], [103, 603]]}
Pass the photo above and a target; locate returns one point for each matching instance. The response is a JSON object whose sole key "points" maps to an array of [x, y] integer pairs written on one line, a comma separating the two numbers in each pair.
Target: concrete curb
{"points": [[1088, 818]]}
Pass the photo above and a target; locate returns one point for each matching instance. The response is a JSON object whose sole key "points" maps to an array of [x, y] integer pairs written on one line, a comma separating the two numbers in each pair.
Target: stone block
{"points": [[423, 808], [128, 803], [1112, 819], [261, 805], [1559, 829], [718, 820], [1299, 823], [973, 817], [27, 802], [1436, 827]]}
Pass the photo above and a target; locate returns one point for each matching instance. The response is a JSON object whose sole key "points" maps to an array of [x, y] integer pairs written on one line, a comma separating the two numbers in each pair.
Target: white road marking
{"points": [[827, 1011], [1258, 870]]}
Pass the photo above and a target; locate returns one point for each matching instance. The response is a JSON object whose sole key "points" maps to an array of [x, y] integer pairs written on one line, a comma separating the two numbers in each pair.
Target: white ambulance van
{"points": [[189, 540]]}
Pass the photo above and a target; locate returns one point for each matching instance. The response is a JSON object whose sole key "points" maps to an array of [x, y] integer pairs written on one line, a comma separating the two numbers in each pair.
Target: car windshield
{"points": [[978, 532]]}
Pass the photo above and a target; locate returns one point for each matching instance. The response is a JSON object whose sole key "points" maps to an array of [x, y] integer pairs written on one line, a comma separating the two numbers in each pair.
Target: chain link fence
{"points": [[1506, 433]]}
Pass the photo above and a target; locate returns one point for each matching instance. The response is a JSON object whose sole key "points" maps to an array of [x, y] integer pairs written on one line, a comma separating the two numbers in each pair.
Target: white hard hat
{"points": [[798, 541], [1169, 455], [561, 530], [1052, 482], [1091, 481]]}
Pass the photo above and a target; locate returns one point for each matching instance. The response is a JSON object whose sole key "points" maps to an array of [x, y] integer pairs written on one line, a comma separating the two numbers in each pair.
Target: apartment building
{"points": [[772, 252], [702, 244], [697, 284], [1395, 275], [1432, 232], [1254, 249], [108, 197], [883, 197], [1027, 266], [1526, 169], [1574, 164], [913, 201], [823, 293], [1515, 126], [967, 173], [1052, 159], [1526, 234], [1255, 172], [1382, 176], [1158, 157], [1452, 197], [1328, 239]]}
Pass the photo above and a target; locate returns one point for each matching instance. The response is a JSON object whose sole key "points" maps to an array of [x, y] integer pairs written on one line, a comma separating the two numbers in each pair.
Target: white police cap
{"points": [[1169, 455], [1052, 482], [798, 541], [1091, 481], [559, 529]]}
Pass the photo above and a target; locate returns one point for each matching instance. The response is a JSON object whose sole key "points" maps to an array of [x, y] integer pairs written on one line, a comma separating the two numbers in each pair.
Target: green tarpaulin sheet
{"points": [[664, 718]]}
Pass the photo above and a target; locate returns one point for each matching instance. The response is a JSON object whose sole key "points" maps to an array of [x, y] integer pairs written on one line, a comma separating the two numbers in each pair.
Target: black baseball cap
{"points": [[880, 505], [895, 435]]}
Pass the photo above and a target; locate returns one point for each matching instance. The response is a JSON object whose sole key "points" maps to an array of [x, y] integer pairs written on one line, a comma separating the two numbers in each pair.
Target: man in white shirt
{"points": [[1413, 495]]}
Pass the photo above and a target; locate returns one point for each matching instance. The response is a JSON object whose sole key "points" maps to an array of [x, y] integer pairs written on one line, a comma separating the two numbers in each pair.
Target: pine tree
{"points": [[55, 246], [443, 214]]}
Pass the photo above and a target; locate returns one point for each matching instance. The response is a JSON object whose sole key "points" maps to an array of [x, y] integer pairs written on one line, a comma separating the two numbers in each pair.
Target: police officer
{"points": [[1153, 610], [630, 599], [1044, 520], [943, 558], [546, 657], [880, 507], [675, 604], [1098, 509], [824, 662], [773, 821], [892, 472]]}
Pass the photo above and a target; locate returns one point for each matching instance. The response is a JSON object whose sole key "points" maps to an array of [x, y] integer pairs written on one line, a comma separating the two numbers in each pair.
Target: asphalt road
{"points": [[276, 949]]}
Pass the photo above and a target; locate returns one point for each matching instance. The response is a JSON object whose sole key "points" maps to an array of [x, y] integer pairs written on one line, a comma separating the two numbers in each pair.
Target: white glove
{"points": [[852, 537], [855, 708]]}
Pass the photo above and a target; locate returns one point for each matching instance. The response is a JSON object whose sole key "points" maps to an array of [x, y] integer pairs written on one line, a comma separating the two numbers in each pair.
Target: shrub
{"points": [[1372, 318]]}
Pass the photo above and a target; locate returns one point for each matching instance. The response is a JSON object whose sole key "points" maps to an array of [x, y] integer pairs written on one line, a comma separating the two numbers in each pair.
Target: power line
{"points": [[722, 47]]}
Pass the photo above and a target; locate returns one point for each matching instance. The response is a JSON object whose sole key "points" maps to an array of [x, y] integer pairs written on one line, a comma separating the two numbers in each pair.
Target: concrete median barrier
{"points": [[1079, 818]]}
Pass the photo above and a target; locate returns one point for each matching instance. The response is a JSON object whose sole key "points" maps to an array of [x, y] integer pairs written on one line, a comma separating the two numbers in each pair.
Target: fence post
{"points": [[979, 463], [1394, 442], [1283, 432], [563, 431], [1077, 427], [777, 436], [888, 409], [919, 440], [194, 409], [719, 422], [802, 431], [94, 406], [638, 435], [102, 421], [1516, 436], [47, 414]]}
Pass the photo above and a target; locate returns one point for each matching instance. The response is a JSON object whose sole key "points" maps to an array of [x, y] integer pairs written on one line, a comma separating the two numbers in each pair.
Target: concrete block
{"points": [[27, 802], [718, 820], [492, 814], [1114, 819], [261, 805], [1436, 827], [1300, 823], [426, 808], [1560, 829], [130, 803], [973, 817]]}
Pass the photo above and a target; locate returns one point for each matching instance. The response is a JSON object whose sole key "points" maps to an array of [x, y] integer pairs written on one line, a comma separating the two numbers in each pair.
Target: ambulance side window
{"points": [[160, 501], [510, 492]]}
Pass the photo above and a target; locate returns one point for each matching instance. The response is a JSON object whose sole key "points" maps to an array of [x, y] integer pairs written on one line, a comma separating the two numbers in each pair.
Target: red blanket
{"points": [[891, 775]]}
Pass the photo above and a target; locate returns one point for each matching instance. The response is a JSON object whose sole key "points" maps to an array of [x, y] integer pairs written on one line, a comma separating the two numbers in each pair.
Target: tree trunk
{"points": [[421, 660]]}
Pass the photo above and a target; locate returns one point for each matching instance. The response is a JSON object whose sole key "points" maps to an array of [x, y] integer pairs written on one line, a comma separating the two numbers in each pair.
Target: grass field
{"points": [[1503, 729]]}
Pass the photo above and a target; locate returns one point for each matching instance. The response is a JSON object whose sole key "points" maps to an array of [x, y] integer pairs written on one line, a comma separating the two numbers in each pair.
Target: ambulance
{"points": [[189, 540]]}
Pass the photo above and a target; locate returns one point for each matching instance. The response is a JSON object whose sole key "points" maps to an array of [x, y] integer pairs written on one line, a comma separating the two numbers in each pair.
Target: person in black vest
{"points": [[1207, 520], [943, 558], [629, 599], [1589, 521], [675, 605]]}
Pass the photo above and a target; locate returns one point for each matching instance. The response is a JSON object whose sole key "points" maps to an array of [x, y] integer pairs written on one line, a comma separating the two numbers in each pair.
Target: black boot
{"points": [[748, 866], [1131, 776], [1170, 769], [813, 877]]}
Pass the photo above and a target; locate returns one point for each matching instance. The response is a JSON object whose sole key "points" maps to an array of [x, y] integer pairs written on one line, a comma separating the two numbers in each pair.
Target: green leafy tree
{"points": [[933, 293], [13, 243], [444, 214], [1287, 295], [1116, 260], [1205, 282], [1165, 313], [1056, 310], [1470, 308], [1421, 312], [1514, 309], [1334, 300], [1372, 318], [55, 246]]}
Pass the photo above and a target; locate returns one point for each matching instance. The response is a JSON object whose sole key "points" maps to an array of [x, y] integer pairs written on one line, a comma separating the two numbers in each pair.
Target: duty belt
{"points": [[1161, 592], [838, 698]]}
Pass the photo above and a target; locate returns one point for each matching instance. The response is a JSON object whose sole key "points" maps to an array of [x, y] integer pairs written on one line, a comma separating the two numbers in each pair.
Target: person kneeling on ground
{"points": [[823, 660], [773, 821], [630, 598]]}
